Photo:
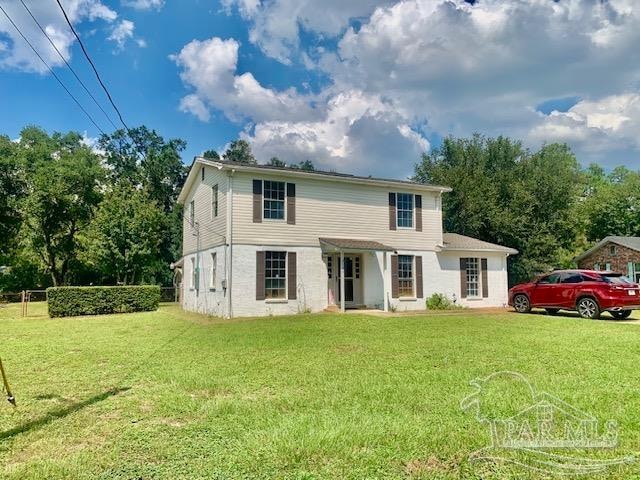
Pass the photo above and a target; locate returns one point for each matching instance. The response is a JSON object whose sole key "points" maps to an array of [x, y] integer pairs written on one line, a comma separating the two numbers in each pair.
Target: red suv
{"points": [[586, 291]]}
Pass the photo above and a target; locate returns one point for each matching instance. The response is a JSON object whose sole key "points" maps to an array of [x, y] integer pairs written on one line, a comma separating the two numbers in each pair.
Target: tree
{"points": [[11, 191], [153, 164], [276, 162], [211, 155], [504, 194], [123, 239], [239, 151], [63, 179], [306, 165]]}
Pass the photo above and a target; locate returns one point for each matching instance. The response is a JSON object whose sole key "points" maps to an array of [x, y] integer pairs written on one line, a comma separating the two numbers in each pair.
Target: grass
{"points": [[174, 395]]}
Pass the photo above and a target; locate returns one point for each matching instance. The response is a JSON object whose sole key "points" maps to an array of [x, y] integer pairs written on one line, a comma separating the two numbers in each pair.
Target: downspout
{"points": [[230, 242]]}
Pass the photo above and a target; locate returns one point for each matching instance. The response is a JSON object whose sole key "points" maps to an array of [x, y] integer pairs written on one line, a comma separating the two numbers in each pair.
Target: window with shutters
{"points": [[405, 276], [473, 277], [275, 274], [404, 209], [273, 194], [214, 201]]}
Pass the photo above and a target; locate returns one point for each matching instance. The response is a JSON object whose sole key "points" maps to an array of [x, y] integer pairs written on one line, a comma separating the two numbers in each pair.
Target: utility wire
{"points": [[51, 70], [67, 64], [95, 70]]}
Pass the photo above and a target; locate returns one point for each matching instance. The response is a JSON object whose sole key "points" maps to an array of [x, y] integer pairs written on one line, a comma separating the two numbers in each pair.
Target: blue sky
{"points": [[363, 86]]}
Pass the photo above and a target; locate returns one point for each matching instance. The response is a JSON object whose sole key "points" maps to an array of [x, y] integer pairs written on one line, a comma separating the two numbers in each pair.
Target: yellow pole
{"points": [[10, 397]]}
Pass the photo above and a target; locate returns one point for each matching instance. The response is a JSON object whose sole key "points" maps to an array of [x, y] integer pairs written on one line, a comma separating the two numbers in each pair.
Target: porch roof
{"points": [[353, 244]]}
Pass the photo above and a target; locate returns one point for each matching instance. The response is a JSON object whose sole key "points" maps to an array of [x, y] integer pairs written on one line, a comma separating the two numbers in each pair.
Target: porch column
{"points": [[342, 281], [385, 287]]}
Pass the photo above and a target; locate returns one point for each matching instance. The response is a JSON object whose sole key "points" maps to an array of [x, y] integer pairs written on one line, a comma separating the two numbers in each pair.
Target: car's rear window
{"points": [[617, 279]]}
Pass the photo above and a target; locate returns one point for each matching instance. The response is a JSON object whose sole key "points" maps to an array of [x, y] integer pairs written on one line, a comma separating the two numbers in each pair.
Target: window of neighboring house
{"points": [[275, 274], [613, 250], [607, 267], [192, 212], [214, 201], [404, 208], [636, 273], [212, 272], [473, 277], [405, 275], [194, 274], [273, 200], [596, 267]]}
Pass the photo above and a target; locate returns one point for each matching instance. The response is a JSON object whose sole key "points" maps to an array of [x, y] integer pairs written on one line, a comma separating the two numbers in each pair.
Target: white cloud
{"points": [[192, 104], [121, 32], [18, 55], [209, 67], [447, 65], [276, 25], [358, 133], [144, 4]]}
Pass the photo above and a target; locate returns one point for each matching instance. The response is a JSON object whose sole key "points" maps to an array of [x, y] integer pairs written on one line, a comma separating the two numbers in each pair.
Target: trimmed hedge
{"points": [[74, 301]]}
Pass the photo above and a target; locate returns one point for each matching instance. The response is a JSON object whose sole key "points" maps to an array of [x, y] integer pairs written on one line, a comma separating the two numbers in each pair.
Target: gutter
{"points": [[230, 242]]}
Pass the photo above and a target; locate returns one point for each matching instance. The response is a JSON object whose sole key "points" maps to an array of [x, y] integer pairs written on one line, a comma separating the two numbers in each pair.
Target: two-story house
{"points": [[262, 240]]}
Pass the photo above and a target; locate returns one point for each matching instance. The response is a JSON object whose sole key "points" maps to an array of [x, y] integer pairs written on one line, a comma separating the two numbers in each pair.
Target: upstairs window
{"points": [[405, 275], [613, 250], [273, 200], [405, 204], [214, 201], [192, 212], [275, 275]]}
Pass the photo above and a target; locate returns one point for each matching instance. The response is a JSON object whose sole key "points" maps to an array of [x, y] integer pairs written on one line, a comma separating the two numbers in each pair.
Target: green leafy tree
{"points": [[239, 151], [123, 238], [211, 155], [276, 162], [63, 180], [505, 194], [306, 165], [11, 191]]}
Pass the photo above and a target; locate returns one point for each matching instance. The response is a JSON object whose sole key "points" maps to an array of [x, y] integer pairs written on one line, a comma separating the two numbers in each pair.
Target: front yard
{"points": [[175, 395]]}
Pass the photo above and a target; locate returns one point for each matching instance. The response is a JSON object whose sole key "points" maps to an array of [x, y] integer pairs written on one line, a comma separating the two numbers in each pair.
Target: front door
{"points": [[352, 281]]}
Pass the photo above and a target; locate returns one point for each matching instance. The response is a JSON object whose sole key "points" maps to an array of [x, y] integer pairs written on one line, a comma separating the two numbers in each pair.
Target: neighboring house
{"points": [[619, 254], [261, 240]]}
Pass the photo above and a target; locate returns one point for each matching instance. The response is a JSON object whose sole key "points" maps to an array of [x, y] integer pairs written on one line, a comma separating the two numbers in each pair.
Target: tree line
{"points": [[78, 214], [540, 202]]}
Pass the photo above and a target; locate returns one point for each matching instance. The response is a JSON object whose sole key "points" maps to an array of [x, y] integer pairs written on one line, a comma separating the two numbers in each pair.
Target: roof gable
{"points": [[630, 242]]}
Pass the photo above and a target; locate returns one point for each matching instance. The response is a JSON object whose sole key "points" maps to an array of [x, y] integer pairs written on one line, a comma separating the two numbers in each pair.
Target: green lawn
{"points": [[174, 395]]}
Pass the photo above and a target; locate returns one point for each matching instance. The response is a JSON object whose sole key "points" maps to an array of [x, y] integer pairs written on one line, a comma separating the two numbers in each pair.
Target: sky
{"points": [[357, 86]]}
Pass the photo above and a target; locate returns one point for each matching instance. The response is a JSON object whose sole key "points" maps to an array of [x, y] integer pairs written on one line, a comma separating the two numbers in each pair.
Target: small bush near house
{"points": [[74, 301], [439, 301]]}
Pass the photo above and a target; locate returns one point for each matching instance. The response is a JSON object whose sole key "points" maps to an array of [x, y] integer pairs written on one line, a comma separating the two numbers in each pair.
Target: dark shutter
{"points": [[419, 281], [260, 295], [395, 283], [418, 213], [485, 278], [392, 211], [463, 277], [257, 201], [292, 282], [291, 204]]}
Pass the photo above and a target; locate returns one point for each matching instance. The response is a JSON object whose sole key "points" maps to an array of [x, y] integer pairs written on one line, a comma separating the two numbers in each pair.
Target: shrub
{"points": [[73, 301], [439, 301]]}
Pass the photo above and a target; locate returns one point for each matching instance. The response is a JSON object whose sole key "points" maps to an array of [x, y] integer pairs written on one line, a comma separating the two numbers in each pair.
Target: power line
{"points": [[95, 70], [51, 70], [67, 64]]}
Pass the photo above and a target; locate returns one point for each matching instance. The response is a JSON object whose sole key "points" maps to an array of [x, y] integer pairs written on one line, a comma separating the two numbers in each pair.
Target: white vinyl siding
{"points": [[326, 208], [212, 229]]}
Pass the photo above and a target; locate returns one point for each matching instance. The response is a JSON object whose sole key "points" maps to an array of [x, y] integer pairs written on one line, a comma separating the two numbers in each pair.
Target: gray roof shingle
{"points": [[455, 241]]}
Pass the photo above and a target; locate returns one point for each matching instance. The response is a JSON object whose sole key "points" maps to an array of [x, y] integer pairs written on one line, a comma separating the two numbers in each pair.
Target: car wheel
{"points": [[588, 308], [521, 304], [621, 314], [552, 311]]}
